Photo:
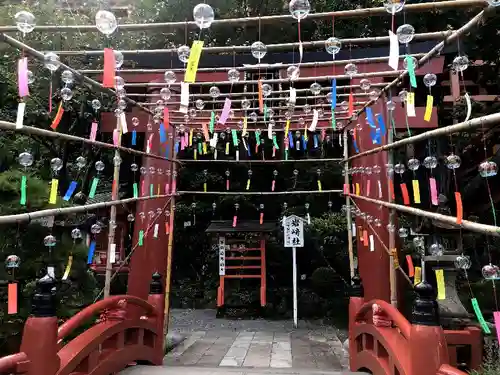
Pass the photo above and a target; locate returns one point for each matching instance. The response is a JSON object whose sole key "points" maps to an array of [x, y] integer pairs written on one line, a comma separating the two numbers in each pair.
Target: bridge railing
{"points": [[383, 342], [128, 329]]}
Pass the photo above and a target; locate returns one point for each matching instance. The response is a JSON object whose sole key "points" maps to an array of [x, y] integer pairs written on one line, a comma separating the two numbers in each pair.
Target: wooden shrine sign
{"points": [[293, 226]]}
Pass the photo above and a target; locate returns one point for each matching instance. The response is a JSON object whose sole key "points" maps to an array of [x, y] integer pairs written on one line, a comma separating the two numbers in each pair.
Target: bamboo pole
{"points": [[270, 47], [388, 73], [79, 76], [348, 210], [451, 36], [28, 216], [450, 129], [451, 220], [346, 14], [297, 192], [318, 105], [272, 161], [256, 67], [72, 138]]}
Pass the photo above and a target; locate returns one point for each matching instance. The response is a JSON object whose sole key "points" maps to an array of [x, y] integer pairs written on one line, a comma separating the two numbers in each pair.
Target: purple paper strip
{"points": [[225, 111], [22, 77]]}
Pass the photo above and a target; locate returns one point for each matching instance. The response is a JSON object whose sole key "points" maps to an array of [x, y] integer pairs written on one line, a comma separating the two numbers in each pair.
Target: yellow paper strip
{"points": [[416, 191], [305, 133], [204, 148], [53, 191], [158, 191], [395, 259], [319, 186], [195, 154], [205, 187], [191, 137], [248, 184], [358, 190], [287, 126], [244, 126], [227, 148], [418, 276], [68, 267], [194, 59], [428, 108], [440, 284]]}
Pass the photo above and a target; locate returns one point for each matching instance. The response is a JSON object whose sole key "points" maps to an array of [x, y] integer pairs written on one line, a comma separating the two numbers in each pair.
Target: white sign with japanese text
{"points": [[293, 231]]}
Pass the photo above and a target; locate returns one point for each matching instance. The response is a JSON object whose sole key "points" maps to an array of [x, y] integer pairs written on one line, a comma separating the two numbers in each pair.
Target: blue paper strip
{"points": [[167, 151], [70, 191], [378, 137], [334, 93], [304, 143], [134, 138], [381, 123], [176, 148], [290, 140], [90, 256], [163, 134], [315, 141], [369, 117], [355, 145]]}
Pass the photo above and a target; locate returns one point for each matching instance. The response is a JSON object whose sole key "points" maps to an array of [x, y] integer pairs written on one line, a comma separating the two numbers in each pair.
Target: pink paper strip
{"points": [[227, 184], [142, 188], [235, 220], [186, 139], [183, 143], [225, 111], [116, 137], [174, 186], [346, 188], [167, 188], [171, 224], [434, 193], [496, 317], [150, 143], [22, 77], [274, 151], [368, 186], [323, 134], [93, 131], [205, 132], [272, 185]]}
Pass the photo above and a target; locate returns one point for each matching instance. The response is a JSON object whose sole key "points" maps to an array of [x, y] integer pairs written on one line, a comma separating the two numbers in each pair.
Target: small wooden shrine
{"points": [[242, 253]]}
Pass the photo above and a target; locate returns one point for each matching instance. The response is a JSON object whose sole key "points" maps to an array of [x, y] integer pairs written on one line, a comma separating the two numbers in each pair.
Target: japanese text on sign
{"points": [[293, 231]]}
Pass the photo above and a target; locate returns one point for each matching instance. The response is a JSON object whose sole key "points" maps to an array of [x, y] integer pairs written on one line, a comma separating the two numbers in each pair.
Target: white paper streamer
{"points": [[293, 95], [20, 115], [379, 189], [314, 122], [353, 229], [155, 232], [184, 97], [469, 106], [393, 50], [112, 253], [270, 131], [372, 243]]}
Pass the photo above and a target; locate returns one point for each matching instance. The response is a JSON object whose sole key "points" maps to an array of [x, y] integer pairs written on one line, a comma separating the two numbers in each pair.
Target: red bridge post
{"points": [[39, 340], [157, 299], [355, 302]]}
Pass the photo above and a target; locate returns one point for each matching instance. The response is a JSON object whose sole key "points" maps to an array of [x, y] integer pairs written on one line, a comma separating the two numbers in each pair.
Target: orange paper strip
{"points": [[57, 119], [460, 209], [411, 269], [261, 97], [391, 188], [261, 221], [406, 196], [365, 237], [351, 104], [12, 298], [108, 79], [368, 185]]}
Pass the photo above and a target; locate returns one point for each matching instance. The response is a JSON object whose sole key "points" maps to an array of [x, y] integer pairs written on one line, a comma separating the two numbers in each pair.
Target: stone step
{"points": [[195, 370]]}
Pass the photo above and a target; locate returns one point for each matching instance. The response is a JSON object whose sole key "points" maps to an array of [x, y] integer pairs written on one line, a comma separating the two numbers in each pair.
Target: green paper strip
{"points": [[235, 138], [286, 154], [275, 143], [257, 138], [136, 190], [199, 149], [334, 121], [265, 112], [23, 191], [212, 122], [141, 237], [393, 123], [93, 188], [411, 71], [151, 190], [480, 317], [407, 125]]}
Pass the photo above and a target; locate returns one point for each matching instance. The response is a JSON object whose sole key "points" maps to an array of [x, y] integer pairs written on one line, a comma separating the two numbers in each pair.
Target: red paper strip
{"points": [[166, 118], [391, 188], [406, 196], [108, 79], [460, 209], [365, 237], [273, 185], [205, 132], [261, 97], [166, 228], [351, 104], [368, 185], [113, 190], [57, 119], [143, 192], [411, 268], [261, 221], [12, 298]]}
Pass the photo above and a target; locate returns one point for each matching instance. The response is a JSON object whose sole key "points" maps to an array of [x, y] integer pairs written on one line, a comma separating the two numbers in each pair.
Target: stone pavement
{"points": [[250, 346]]}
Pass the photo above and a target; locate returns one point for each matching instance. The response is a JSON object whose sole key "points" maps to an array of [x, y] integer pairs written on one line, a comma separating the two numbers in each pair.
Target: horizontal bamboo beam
{"points": [[246, 49], [256, 67], [272, 161], [462, 126], [451, 220], [72, 138], [354, 13], [389, 73], [27, 217], [272, 107], [257, 192], [79, 76], [450, 37]]}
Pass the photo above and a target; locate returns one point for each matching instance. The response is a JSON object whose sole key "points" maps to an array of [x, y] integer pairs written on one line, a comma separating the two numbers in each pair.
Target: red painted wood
{"points": [[16, 363]]}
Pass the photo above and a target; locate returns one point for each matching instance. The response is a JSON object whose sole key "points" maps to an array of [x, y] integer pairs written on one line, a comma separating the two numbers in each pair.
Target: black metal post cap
{"points": [[425, 307], [44, 301], [155, 287]]}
